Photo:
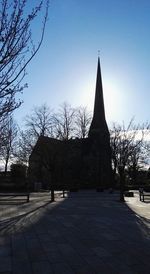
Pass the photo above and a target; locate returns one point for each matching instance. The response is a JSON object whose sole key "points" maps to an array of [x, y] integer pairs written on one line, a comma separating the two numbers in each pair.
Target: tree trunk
{"points": [[6, 165], [52, 188], [121, 173], [52, 195]]}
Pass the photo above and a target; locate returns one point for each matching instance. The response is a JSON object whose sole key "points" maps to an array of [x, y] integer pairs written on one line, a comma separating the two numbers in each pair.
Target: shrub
{"points": [[18, 171]]}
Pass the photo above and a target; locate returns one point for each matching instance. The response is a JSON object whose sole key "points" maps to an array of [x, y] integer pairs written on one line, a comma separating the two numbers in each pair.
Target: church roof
{"points": [[98, 121]]}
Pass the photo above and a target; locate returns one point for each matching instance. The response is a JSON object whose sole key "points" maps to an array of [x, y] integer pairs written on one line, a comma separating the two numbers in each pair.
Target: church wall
{"points": [[79, 162]]}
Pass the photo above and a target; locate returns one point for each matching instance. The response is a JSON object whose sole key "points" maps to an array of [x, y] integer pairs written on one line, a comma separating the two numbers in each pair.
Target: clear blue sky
{"points": [[65, 67]]}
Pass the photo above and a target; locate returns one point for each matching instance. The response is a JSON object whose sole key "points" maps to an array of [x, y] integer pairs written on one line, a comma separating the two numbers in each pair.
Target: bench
{"points": [[18, 194], [143, 194]]}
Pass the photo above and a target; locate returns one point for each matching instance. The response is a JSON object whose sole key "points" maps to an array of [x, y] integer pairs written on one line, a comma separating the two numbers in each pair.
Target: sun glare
{"points": [[113, 98], [85, 95], [113, 92]]}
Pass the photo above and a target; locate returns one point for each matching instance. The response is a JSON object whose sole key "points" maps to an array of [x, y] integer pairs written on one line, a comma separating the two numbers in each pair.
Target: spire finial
{"points": [[98, 53], [98, 121]]}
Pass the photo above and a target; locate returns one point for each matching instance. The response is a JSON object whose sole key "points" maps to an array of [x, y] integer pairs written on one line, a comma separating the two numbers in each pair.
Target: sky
{"points": [[64, 70]]}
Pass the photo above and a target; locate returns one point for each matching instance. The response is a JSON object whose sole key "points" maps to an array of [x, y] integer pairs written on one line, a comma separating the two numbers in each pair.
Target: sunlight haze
{"points": [[65, 67]]}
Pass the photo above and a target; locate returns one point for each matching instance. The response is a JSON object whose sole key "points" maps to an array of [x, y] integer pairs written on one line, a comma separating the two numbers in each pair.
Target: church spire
{"points": [[98, 121]]}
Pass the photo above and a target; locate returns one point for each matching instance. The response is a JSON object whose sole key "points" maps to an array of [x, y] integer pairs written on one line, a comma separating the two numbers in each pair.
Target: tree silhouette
{"points": [[17, 48]]}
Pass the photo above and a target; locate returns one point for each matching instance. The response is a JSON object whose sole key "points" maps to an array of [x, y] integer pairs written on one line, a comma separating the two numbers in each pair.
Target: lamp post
{"points": [[121, 174]]}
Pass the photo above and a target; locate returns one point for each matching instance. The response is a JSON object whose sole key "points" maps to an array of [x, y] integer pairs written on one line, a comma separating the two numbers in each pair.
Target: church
{"points": [[75, 163]]}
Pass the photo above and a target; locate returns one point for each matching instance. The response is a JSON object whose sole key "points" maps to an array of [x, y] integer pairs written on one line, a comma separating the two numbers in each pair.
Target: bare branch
{"points": [[16, 47]]}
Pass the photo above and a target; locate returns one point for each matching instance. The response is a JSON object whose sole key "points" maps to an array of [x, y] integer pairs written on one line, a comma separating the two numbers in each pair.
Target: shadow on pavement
{"points": [[88, 234]]}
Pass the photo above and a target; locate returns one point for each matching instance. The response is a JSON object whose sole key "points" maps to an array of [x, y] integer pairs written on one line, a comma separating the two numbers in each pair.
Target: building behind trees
{"points": [[75, 163]]}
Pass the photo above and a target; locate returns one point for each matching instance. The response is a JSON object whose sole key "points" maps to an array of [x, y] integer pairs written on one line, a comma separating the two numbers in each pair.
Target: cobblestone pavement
{"points": [[86, 233]]}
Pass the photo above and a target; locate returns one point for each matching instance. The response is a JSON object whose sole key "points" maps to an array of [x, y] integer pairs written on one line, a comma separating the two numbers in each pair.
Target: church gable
{"points": [[81, 162]]}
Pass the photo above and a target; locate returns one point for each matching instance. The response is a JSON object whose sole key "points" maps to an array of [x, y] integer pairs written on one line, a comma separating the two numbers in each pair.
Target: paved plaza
{"points": [[85, 233]]}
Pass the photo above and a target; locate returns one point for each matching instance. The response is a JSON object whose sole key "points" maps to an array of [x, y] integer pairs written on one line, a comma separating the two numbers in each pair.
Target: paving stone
{"points": [[140, 269], [5, 264], [5, 251], [54, 257], [86, 234], [40, 267], [23, 267], [101, 252], [62, 268], [6, 272], [83, 269]]}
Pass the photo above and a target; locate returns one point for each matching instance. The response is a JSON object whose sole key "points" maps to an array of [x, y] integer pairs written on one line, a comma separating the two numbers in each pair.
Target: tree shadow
{"points": [[7, 224], [88, 234], [144, 225]]}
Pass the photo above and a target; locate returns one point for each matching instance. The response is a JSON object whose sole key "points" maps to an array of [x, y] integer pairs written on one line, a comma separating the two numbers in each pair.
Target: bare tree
{"points": [[25, 144], [39, 122], [10, 135], [3, 125], [16, 47], [83, 120], [128, 145], [44, 162], [63, 122]]}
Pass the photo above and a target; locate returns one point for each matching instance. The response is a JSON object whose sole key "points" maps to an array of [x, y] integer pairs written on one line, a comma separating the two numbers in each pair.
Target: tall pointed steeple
{"points": [[98, 121], [99, 138]]}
